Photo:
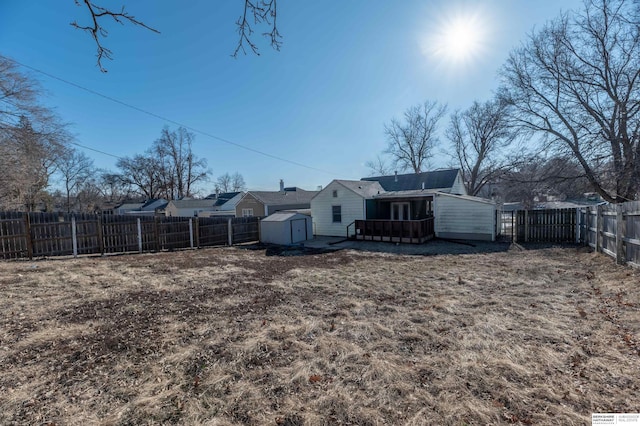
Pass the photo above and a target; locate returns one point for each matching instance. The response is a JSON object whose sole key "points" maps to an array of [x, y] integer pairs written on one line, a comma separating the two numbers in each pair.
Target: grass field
{"points": [[232, 336]]}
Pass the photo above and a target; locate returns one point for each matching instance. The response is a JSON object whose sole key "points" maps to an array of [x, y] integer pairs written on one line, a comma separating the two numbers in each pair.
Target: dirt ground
{"points": [[234, 336]]}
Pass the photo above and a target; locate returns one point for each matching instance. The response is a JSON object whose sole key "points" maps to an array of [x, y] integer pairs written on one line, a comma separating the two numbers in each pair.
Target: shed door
{"points": [[298, 230]]}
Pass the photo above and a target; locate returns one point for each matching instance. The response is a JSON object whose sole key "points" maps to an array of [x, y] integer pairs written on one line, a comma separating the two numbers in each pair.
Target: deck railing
{"points": [[397, 231]]}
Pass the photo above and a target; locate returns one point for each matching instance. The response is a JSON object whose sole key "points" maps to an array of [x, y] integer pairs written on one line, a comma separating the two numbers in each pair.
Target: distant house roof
{"points": [[154, 203], [287, 197], [438, 179], [129, 206], [193, 204], [363, 188]]}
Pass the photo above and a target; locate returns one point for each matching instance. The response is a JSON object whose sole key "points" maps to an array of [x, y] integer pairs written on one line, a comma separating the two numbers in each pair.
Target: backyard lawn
{"points": [[233, 336]]}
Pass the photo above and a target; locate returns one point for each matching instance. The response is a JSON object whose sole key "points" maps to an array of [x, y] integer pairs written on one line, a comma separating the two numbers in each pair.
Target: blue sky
{"points": [[345, 69]]}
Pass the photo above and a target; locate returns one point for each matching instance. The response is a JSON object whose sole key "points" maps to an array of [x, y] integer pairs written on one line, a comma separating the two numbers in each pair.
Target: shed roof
{"points": [[283, 217], [438, 179]]}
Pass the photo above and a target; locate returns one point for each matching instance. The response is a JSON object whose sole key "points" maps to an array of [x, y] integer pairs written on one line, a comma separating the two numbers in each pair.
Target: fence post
{"points": [[139, 223], [599, 228], [99, 225], [74, 236], [621, 256], [156, 232], [197, 232], [230, 231], [526, 226], [27, 226], [191, 232]]}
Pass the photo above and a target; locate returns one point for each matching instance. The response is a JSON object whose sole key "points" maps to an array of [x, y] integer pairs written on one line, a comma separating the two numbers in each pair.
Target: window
{"points": [[335, 193], [337, 213], [247, 212]]}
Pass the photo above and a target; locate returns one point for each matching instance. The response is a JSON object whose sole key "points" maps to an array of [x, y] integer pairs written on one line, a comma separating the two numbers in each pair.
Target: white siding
{"points": [[464, 218], [321, 210]]}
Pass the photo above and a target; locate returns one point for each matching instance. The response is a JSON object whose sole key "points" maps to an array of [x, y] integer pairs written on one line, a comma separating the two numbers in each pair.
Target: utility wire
{"points": [[160, 117]]}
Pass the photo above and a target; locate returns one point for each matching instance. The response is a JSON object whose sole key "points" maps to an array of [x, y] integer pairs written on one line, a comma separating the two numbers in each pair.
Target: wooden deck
{"points": [[396, 231]]}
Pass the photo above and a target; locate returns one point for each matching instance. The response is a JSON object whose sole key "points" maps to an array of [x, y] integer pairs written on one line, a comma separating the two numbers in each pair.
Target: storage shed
{"points": [[286, 228], [465, 217]]}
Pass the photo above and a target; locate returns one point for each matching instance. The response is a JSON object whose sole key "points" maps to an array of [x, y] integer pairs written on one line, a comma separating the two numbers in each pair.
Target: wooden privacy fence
{"points": [[613, 229], [62, 234], [538, 226]]}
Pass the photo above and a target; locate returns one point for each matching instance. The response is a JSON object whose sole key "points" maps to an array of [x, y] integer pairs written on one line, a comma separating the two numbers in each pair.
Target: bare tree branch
{"points": [[262, 12], [97, 30]]}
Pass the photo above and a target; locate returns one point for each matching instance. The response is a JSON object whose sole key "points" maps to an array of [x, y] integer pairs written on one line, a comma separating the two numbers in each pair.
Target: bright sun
{"points": [[459, 39]]}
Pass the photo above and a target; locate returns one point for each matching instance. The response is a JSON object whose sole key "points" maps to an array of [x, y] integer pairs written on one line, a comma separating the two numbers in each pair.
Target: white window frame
{"points": [[247, 212]]}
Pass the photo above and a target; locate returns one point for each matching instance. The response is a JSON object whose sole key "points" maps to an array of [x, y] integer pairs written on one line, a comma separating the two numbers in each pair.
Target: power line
{"points": [[160, 117]]}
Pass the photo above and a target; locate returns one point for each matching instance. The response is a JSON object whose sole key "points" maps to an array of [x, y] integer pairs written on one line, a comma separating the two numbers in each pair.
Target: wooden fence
{"points": [[613, 229], [61, 234], [541, 226]]}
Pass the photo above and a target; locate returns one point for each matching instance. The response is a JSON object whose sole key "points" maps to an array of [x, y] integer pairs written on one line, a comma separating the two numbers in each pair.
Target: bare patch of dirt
{"points": [[235, 336]]}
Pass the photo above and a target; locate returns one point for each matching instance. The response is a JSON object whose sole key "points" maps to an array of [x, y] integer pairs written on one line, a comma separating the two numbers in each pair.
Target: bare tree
{"points": [[179, 167], [75, 169], [577, 82], [223, 183], [411, 142], [230, 183], [32, 139], [479, 137], [237, 183], [112, 187], [28, 157], [536, 177], [142, 174], [256, 13], [378, 167]]}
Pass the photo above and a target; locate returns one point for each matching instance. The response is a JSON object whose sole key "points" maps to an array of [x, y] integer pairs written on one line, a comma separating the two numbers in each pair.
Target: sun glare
{"points": [[458, 39]]}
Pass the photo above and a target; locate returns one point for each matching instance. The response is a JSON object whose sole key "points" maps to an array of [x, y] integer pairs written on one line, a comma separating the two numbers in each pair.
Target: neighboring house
{"points": [[148, 208], [188, 207], [431, 203], [221, 204], [447, 180], [264, 203], [339, 204]]}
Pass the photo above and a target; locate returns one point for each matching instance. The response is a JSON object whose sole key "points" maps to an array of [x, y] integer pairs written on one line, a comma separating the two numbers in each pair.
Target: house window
{"points": [[335, 193], [337, 214], [247, 212]]}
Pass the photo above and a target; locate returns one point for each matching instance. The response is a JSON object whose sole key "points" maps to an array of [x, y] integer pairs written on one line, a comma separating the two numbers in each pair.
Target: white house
{"points": [[339, 204]]}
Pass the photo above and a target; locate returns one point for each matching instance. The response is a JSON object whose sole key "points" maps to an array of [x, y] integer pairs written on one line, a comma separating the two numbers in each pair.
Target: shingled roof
{"points": [[289, 196], [439, 179]]}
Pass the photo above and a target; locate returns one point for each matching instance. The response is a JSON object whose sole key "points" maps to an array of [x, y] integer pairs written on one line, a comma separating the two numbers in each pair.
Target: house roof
{"points": [[221, 198], [414, 193], [287, 197], [363, 188], [467, 197], [438, 179], [193, 204], [154, 203], [129, 206]]}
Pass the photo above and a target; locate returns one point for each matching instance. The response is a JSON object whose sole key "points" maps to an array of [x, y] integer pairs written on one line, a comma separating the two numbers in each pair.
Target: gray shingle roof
{"points": [[362, 188], [275, 198], [188, 204], [438, 179]]}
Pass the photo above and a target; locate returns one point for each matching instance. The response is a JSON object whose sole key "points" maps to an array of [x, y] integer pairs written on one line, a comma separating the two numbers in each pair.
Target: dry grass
{"points": [[231, 336]]}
